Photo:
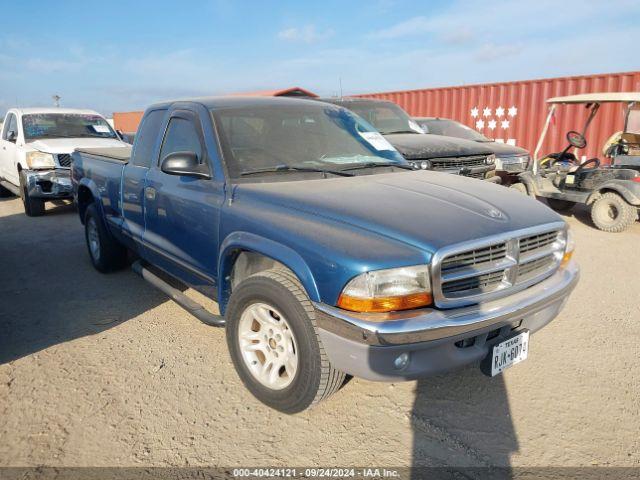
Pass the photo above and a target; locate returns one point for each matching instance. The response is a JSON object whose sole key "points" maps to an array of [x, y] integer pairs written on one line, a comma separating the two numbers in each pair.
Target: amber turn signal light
{"points": [[385, 304]]}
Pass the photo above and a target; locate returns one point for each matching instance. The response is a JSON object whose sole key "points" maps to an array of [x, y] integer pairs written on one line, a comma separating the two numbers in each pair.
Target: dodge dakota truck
{"points": [[428, 152], [35, 151], [328, 254]]}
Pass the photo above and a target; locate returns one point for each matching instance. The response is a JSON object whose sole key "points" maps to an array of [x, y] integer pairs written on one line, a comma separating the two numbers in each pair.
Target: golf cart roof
{"points": [[606, 97]]}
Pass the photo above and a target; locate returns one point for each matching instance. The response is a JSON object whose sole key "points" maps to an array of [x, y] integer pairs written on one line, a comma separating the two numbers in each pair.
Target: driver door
{"points": [[8, 151], [182, 213]]}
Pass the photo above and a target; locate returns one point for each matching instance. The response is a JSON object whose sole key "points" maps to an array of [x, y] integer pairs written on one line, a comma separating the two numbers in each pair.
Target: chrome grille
{"points": [[457, 162], [64, 159], [495, 266], [479, 256]]}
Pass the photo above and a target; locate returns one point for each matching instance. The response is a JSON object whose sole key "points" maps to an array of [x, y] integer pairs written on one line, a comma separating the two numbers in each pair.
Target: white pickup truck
{"points": [[36, 147]]}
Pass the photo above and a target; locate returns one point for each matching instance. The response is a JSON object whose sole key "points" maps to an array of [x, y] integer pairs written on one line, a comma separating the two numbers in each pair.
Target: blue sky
{"points": [[123, 55]]}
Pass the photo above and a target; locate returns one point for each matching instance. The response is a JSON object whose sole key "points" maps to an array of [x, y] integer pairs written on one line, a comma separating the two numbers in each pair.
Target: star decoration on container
{"points": [[492, 124], [480, 124], [499, 112], [504, 124], [486, 112], [474, 112], [513, 111]]}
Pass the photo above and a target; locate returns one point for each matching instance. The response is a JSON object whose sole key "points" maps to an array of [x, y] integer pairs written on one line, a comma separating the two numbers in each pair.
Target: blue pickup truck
{"points": [[328, 254]]}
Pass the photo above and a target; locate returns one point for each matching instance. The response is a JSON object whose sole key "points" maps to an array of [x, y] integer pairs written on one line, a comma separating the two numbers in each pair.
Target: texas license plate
{"points": [[508, 353]]}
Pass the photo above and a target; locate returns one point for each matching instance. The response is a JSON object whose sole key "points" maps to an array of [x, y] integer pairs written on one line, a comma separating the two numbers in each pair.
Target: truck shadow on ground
{"points": [[50, 292], [462, 421]]}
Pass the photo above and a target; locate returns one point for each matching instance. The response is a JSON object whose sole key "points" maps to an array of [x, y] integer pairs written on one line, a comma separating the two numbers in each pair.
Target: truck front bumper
{"points": [[49, 184], [436, 341]]}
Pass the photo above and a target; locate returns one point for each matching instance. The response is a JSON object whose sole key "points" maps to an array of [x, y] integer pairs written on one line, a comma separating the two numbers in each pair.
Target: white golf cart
{"points": [[612, 191]]}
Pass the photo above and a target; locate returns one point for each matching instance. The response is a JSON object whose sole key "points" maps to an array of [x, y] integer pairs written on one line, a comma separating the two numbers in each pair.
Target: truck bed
{"points": [[114, 154]]}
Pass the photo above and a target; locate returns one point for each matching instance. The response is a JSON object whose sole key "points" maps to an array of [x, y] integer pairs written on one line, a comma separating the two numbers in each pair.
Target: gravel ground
{"points": [[103, 370]]}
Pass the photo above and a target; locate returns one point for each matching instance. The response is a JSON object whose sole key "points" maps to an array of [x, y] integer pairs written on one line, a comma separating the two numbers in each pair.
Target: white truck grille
{"points": [[496, 266]]}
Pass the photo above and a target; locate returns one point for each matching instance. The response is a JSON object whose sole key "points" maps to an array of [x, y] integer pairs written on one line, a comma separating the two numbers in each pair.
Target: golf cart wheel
{"points": [[274, 343], [33, 207], [611, 213], [560, 205], [520, 187]]}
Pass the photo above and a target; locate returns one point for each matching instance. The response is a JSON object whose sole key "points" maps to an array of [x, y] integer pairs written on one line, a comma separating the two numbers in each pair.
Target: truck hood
{"points": [[426, 209], [504, 149], [68, 145], [415, 146]]}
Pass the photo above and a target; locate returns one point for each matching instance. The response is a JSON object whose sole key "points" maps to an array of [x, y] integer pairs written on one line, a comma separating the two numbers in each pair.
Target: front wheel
{"points": [[611, 213], [274, 343], [105, 252], [33, 207]]}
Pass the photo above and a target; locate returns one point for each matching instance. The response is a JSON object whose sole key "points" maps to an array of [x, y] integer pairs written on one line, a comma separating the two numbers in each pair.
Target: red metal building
{"points": [[515, 112]]}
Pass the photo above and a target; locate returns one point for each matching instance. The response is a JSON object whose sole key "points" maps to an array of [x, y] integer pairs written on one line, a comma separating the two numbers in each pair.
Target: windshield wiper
{"points": [[379, 164], [290, 168], [400, 131]]}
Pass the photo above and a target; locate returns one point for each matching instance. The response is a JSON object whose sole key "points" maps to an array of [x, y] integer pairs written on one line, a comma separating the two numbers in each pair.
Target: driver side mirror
{"points": [[184, 164], [12, 136]]}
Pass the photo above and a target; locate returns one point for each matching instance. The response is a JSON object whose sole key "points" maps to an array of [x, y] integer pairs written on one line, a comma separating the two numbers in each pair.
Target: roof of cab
{"points": [[347, 100], [237, 102]]}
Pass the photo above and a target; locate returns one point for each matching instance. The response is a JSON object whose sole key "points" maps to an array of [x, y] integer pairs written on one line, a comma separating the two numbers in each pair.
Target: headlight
{"points": [[490, 160], [388, 290], [40, 160], [421, 165], [569, 247]]}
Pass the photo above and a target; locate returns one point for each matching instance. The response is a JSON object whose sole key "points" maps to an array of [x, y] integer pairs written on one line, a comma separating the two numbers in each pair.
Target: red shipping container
{"points": [[515, 112]]}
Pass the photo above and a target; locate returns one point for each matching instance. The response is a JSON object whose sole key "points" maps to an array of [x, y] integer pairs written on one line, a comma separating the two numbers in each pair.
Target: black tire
{"points": [[5, 192], [107, 255], [611, 213], [560, 205], [315, 378], [33, 207], [520, 187]]}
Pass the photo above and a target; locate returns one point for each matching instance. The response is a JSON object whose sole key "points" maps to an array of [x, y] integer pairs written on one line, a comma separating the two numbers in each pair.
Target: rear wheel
{"points": [[33, 207], [105, 252], [560, 205], [611, 213], [274, 343]]}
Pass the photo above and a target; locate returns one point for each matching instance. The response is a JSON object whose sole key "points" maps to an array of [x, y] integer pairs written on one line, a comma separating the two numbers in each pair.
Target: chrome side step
{"points": [[191, 306]]}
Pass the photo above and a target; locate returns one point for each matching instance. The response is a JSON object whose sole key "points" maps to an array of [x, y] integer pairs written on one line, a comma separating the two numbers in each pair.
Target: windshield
{"points": [[438, 126], [65, 125], [286, 137], [387, 118]]}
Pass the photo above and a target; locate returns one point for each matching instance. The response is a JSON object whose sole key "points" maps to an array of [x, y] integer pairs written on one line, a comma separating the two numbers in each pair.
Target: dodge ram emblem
{"points": [[494, 213]]}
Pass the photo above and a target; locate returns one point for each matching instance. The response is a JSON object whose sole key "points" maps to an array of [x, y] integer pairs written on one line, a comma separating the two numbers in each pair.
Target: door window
{"points": [[11, 125], [146, 138], [181, 136]]}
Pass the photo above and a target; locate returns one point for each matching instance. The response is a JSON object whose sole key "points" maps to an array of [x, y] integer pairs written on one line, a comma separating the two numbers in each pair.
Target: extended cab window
{"points": [[146, 138], [10, 126], [181, 136]]}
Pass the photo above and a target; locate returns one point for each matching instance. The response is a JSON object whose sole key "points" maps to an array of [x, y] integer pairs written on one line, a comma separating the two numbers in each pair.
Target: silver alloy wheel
{"points": [[94, 238], [268, 346]]}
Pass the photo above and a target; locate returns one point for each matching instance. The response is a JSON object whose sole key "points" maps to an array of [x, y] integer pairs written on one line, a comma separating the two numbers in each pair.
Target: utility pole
{"points": [[56, 100]]}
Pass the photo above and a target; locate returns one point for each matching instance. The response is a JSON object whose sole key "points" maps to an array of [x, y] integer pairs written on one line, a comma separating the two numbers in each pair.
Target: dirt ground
{"points": [[103, 370]]}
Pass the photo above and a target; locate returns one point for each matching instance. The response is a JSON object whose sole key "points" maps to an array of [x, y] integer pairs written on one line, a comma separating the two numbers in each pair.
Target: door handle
{"points": [[150, 193]]}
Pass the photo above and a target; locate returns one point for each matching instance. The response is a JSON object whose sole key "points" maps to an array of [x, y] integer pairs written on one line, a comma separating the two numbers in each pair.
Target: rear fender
{"points": [[244, 241], [81, 202], [627, 189]]}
